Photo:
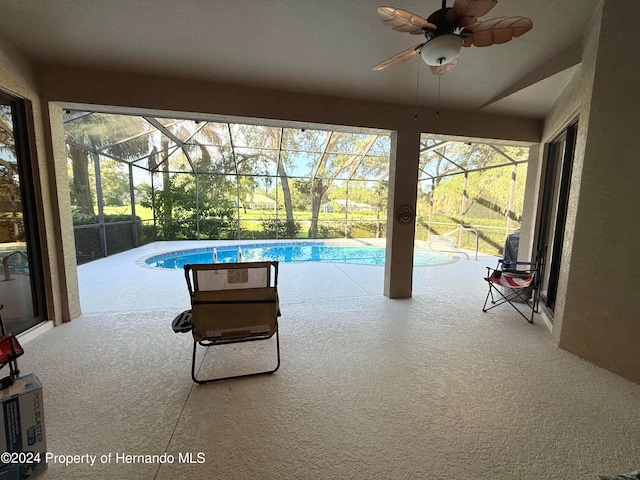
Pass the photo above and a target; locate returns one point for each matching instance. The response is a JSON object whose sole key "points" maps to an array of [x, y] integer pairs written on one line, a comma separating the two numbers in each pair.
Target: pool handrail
{"points": [[5, 263], [460, 229]]}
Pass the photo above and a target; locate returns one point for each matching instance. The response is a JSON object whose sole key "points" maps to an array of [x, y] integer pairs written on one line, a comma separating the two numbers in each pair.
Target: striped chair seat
{"points": [[518, 288], [510, 280]]}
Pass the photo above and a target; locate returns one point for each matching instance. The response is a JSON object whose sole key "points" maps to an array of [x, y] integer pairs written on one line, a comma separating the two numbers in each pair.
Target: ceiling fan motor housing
{"points": [[442, 45], [439, 19]]}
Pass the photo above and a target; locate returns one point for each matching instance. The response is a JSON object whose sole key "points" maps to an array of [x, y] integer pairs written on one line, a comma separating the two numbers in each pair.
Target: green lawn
{"points": [[491, 231], [146, 213]]}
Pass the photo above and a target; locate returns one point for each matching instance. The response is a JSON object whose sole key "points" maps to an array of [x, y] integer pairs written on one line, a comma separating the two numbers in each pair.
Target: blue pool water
{"points": [[288, 252]]}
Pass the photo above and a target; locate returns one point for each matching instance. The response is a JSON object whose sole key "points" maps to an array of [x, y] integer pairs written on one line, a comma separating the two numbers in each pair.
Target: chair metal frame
{"points": [[518, 279], [241, 335]]}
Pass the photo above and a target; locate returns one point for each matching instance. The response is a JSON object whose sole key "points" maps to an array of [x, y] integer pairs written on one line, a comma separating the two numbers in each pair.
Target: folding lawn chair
{"points": [[516, 283], [10, 350], [231, 303]]}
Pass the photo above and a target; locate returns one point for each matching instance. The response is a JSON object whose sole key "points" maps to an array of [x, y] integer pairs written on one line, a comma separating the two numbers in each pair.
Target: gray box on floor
{"points": [[22, 432]]}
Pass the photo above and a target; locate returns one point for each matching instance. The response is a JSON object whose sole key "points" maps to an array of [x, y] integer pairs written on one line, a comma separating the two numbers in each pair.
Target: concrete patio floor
{"points": [[122, 282], [428, 387]]}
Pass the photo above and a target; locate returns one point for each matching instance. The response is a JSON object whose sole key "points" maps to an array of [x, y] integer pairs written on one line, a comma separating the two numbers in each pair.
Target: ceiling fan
{"points": [[448, 30]]}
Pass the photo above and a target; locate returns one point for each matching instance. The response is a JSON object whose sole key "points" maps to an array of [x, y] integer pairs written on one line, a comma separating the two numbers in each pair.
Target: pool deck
{"points": [[123, 282], [427, 387]]}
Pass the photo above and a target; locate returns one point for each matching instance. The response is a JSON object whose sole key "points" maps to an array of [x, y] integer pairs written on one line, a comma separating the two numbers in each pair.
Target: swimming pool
{"points": [[289, 252]]}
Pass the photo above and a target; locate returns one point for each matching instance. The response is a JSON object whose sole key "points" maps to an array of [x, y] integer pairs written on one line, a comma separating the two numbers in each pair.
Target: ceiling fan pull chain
{"points": [[438, 100], [415, 112]]}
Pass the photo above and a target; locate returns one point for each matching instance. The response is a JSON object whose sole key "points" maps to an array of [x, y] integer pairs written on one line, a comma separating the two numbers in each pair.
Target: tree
{"points": [[11, 224], [115, 183], [202, 194], [271, 138], [443, 163], [487, 198], [330, 166], [145, 190], [175, 211], [100, 132], [224, 163]]}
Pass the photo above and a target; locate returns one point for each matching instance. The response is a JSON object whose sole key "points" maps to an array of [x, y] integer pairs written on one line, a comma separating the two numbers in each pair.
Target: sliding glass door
{"points": [[21, 277], [557, 181]]}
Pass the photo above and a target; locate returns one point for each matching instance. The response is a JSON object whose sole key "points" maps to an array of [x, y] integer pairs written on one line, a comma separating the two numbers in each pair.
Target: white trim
{"points": [[546, 318], [34, 332]]}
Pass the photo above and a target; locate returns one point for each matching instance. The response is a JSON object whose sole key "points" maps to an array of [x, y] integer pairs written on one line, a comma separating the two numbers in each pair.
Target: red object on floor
{"points": [[10, 348]]}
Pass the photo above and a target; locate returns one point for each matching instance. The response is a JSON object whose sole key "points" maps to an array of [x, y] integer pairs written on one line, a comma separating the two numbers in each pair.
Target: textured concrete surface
{"points": [[369, 388]]}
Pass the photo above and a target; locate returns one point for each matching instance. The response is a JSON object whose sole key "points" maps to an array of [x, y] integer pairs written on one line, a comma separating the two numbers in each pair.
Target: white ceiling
{"points": [[326, 47]]}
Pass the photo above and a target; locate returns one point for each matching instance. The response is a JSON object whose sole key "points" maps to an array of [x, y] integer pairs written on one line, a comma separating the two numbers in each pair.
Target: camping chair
{"points": [[231, 303], [516, 283]]}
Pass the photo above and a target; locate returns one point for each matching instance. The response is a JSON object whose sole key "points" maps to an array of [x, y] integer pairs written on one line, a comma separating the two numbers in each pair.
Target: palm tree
{"points": [[100, 132]]}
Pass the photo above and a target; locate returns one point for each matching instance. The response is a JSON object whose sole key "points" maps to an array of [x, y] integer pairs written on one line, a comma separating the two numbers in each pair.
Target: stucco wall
{"points": [[574, 102], [18, 77], [598, 310], [197, 97]]}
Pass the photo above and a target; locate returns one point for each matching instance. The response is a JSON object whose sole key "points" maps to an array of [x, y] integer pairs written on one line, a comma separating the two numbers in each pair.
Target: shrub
{"points": [[276, 228]]}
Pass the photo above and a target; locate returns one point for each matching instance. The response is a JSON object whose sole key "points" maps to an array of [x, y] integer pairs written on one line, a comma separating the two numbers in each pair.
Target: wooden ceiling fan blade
{"points": [[465, 13], [440, 70], [466, 21], [404, 21], [499, 30], [399, 57]]}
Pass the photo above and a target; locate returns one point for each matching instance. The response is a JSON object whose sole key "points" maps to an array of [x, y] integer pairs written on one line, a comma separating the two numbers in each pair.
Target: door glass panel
{"points": [[554, 213], [552, 191], [20, 312]]}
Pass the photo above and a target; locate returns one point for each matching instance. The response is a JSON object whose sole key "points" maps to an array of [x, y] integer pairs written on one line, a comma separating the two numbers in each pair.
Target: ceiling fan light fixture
{"points": [[441, 50]]}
